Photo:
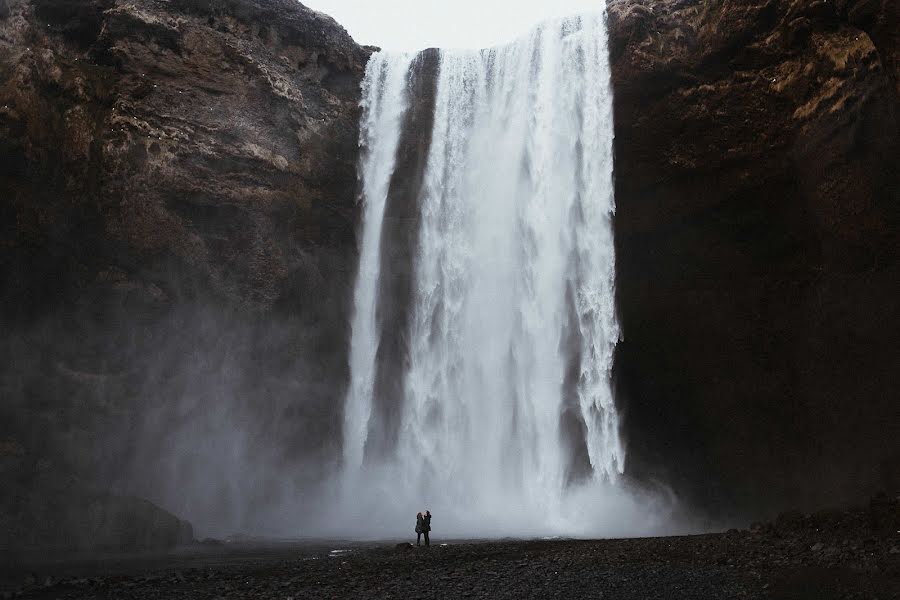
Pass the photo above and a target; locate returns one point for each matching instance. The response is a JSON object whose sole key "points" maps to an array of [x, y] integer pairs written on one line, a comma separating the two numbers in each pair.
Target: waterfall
{"points": [[383, 106], [501, 417]]}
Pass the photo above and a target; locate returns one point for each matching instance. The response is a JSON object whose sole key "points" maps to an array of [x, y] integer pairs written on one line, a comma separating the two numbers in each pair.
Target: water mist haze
{"points": [[219, 418]]}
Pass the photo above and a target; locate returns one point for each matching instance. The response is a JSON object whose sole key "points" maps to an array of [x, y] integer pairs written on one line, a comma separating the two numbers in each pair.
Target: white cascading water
{"points": [[515, 259], [384, 102]]}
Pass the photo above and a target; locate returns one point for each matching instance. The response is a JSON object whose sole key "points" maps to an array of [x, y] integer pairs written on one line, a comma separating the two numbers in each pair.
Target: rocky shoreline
{"points": [[830, 554]]}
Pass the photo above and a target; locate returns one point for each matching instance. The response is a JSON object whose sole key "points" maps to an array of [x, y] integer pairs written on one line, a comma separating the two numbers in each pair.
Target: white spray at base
{"points": [[508, 425]]}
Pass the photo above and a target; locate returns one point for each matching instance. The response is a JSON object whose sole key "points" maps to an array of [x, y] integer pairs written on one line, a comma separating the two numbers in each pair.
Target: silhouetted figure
{"points": [[426, 526], [420, 528]]}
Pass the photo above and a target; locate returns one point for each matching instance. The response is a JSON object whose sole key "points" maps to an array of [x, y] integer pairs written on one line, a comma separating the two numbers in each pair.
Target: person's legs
{"points": [[427, 541], [419, 538]]}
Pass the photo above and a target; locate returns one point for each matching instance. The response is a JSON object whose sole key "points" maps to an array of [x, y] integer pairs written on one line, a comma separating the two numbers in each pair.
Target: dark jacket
{"points": [[426, 522], [420, 524]]}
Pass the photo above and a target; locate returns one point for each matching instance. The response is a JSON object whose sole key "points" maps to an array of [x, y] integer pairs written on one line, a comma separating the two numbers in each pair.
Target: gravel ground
{"points": [[798, 557]]}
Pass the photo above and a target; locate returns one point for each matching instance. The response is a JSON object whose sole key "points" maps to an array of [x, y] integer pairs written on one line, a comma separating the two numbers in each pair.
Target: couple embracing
{"points": [[423, 526]]}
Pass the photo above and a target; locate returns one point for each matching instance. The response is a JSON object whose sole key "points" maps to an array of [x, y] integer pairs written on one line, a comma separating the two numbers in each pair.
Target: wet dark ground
{"points": [[845, 554], [793, 561]]}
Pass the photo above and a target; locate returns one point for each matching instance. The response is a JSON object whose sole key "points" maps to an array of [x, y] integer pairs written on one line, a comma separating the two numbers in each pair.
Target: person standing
{"points": [[426, 527], [420, 529]]}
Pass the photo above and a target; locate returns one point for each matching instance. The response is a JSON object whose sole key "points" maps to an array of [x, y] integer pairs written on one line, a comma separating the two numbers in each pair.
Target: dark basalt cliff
{"points": [[758, 238], [178, 199]]}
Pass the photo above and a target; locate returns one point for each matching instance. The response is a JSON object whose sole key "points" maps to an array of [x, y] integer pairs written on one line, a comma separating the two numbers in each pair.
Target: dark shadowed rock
{"points": [[757, 243], [79, 520], [884, 513], [178, 203]]}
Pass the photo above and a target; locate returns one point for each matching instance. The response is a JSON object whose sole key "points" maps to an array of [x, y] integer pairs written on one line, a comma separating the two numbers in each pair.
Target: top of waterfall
{"points": [[409, 25]]}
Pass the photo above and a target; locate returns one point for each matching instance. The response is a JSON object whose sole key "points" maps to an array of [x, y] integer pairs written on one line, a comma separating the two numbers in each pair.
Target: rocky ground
{"points": [[838, 554]]}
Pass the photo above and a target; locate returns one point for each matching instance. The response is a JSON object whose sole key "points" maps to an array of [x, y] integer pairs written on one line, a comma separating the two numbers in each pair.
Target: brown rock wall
{"points": [[758, 211], [178, 201]]}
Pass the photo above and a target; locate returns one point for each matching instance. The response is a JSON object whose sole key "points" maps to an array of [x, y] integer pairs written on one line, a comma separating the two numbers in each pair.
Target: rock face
{"points": [[87, 522], [196, 128], [757, 241], [178, 201]]}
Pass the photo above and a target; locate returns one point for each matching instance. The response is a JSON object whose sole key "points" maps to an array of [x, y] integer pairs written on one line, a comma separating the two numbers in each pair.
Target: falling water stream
{"points": [[503, 419]]}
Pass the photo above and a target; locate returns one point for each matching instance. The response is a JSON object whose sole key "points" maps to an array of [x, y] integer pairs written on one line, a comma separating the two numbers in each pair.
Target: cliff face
{"points": [[757, 244], [178, 200], [191, 131]]}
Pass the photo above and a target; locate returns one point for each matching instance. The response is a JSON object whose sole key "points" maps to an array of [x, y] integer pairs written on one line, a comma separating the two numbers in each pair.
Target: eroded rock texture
{"points": [[178, 200], [757, 239]]}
